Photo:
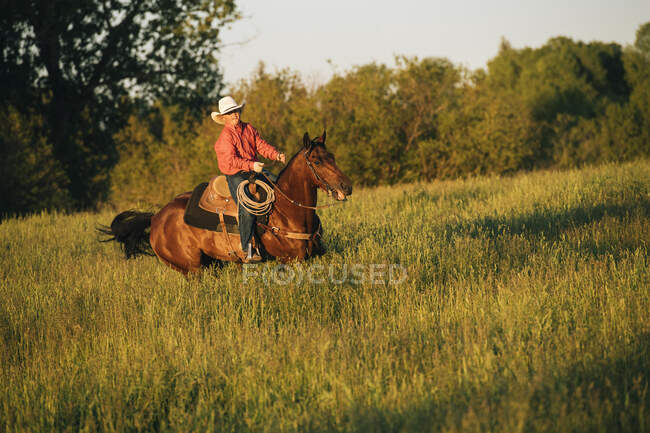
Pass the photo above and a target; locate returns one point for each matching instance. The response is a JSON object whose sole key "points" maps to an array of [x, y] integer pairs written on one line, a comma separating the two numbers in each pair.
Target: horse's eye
{"points": [[317, 162]]}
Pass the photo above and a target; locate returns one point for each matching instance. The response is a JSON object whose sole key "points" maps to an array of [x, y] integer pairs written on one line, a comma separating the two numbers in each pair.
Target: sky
{"points": [[319, 38]]}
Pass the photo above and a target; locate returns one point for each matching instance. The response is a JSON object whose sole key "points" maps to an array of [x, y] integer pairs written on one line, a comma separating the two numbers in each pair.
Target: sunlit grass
{"points": [[525, 309]]}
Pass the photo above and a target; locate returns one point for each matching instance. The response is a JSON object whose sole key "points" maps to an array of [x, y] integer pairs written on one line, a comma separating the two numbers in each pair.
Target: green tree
{"points": [[280, 106], [567, 87], [162, 154], [81, 64], [358, 108], [32, 179], [425, 91], [564, 104], [642, 42], [627, 126]]}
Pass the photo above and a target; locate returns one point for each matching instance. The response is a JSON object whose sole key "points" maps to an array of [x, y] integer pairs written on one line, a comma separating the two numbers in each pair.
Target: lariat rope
{"points": [[252, 206]]}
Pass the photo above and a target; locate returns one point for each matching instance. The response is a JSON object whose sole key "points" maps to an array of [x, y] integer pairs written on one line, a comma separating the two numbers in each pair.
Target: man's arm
{"points": [[264, 148]]}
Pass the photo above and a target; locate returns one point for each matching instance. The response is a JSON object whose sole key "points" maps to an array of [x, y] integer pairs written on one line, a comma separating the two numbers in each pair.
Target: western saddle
{"points": [[216, 198]]}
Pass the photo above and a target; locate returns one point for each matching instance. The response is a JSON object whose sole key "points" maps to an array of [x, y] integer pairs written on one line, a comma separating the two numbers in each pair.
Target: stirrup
{"points": [[252, 257]]}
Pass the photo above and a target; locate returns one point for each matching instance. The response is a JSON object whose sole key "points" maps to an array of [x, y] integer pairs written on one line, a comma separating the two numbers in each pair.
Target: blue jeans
{"points": [[246, 219]]}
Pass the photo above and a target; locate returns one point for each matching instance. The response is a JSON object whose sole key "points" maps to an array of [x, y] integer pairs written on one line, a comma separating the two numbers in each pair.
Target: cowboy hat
{"points": [[227, 104]]}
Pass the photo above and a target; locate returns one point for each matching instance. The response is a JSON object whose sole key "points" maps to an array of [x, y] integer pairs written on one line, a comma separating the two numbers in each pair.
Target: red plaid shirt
{"points": [[237, 148]]}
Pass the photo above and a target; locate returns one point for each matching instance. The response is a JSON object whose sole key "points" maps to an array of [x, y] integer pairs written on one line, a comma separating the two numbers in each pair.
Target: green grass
{"points": [[526, 308]]}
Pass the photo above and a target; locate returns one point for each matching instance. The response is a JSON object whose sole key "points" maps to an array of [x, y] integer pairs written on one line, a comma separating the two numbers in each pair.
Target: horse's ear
{"points": [[322, 138], [306, 141]]}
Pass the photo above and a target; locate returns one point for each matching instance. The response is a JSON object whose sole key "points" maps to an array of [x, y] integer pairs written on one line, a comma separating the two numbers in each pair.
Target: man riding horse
{"points": [[237, 148], [293, 229]]}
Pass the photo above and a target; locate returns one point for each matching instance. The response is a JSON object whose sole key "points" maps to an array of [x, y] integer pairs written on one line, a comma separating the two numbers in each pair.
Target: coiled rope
{"points": [[252, 206]]}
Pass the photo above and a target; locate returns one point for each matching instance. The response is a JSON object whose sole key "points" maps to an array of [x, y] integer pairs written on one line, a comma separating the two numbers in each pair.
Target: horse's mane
{"points": [[314, 144]]}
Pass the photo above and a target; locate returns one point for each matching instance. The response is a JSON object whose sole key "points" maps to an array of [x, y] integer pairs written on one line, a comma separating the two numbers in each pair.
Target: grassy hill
{"points": [[521, 304]]}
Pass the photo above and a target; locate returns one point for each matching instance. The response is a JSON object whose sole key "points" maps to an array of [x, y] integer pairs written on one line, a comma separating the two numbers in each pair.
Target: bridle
{"points": [[323, 184], [297, 235]]}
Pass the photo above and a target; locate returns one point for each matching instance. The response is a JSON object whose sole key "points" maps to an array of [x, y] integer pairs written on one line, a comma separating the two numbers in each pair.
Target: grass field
{"points": [[525, 307]]}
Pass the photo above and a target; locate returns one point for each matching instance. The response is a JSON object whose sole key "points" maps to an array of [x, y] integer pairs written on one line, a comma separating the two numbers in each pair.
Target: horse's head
{"points": [[323, 168]]}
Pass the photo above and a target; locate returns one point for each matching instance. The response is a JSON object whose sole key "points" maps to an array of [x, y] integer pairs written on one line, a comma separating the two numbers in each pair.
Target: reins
{"points": [[264, 207], [318, 178], [275, 186]]}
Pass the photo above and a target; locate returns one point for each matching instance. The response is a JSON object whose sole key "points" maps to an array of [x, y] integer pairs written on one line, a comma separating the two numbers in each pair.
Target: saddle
{"points": [[216, 198], [211, 207]]}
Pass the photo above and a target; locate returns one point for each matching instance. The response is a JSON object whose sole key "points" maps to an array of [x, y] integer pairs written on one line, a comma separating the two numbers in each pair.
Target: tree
{"points": [[162, 155], [280, 107], [424, 90], [642, 42], [84, 63], [567, 87], [628, 126], [357, 108], [31, 179]]}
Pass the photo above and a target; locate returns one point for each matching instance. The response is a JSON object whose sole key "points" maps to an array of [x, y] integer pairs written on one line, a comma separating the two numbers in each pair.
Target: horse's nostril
{"points": [[347, 189]]}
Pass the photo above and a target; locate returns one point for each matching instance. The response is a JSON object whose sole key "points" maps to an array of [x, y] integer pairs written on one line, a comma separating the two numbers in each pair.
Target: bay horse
{"points": [[184, 248]]}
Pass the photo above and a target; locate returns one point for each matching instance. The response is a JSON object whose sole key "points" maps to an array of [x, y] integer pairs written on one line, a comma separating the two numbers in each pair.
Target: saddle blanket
{"points": [[197, 217]]}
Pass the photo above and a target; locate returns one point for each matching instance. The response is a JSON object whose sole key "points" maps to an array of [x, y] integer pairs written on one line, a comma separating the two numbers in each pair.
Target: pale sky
{"points": [[304, 35]]}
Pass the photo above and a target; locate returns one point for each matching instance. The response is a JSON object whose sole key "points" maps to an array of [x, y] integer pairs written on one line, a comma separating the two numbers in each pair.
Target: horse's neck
{"points": [[298, 185]]}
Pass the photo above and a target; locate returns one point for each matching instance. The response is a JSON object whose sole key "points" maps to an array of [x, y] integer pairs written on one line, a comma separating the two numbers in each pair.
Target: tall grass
{"points": [[526, 308]]}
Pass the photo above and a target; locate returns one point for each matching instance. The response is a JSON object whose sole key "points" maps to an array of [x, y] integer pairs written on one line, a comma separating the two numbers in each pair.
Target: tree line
{"points": [[564, 104], [74, 71]]}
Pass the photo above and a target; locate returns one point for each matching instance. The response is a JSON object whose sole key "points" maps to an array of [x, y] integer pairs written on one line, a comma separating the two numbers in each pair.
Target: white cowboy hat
{"points": [[227, 104]]}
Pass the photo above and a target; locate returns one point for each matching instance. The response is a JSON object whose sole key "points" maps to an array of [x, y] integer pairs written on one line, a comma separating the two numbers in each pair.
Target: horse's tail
{"points": [[131, 230]]}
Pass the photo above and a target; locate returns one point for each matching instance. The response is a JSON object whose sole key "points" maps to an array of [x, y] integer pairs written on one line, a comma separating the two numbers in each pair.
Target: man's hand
{"points": [[258, 166], [282, 158]]}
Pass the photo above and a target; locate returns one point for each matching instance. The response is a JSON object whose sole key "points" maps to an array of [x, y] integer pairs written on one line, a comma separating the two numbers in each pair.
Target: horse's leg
{"points": [[188, 260], [173, 266]]}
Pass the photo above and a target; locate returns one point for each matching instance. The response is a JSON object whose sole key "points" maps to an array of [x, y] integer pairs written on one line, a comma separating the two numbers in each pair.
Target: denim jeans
{"points": [[246, 220]]}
